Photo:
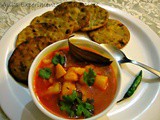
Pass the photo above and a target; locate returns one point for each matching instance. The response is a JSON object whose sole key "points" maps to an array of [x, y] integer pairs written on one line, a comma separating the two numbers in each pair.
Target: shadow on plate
{"points": [[31, 112]]}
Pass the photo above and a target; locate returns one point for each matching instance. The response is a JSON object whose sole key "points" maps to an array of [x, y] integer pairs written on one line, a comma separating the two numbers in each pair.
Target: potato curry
{"points": [[70, 88]]}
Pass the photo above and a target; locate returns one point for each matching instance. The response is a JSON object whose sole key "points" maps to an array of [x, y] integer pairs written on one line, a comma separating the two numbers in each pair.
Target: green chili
{"points": [[133, 87]]}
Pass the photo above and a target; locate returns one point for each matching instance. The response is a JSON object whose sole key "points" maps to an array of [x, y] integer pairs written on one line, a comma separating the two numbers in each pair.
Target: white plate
{"points": [[143, 46]]}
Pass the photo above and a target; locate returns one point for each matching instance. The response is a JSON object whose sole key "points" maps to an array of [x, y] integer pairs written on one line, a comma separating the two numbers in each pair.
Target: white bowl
{"points": [[64, 43]]}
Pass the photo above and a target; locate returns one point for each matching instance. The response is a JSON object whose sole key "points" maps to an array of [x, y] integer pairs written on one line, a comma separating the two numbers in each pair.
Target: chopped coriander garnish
{"points": [[85, 109], [45, 73], [89, 77], [75, 107], [71, 98], [58, 59]]}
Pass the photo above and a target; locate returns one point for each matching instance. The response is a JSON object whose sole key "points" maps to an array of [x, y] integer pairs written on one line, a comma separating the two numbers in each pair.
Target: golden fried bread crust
{"points": [[59, 20], [98, 17], [46, 30], [23, 56], [47, 17], [114, 33], [77, 11]]}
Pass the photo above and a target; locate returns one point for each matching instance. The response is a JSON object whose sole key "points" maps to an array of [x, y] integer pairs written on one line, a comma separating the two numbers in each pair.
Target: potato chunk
{"points": [[71, 76], [101, 82], [54, 89], [67, 88], [60, 71], [78, 70]]}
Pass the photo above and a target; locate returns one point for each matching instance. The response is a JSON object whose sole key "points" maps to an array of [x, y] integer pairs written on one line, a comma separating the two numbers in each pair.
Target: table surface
{"points": [[11, 11]]}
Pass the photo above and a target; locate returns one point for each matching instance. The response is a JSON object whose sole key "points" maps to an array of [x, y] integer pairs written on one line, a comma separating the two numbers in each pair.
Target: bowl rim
{"points": [[48, 49]]}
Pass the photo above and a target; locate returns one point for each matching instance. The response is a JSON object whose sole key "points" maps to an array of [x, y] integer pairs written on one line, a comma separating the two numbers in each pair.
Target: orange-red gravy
{"points": [[102, 98]]}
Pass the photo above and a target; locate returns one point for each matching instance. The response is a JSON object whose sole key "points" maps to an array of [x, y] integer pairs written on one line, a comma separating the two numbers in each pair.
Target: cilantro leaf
{"points": [[79, 110], [84, 108], [64, 106], [67, 107], [89, 77], [75, 107], [86, 113], [88, 106], [70, 98], [58, 59], [45, 73]]}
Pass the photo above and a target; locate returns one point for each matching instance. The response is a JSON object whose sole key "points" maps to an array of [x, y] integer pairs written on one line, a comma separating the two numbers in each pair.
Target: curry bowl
{"points": [[63, 87]]}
